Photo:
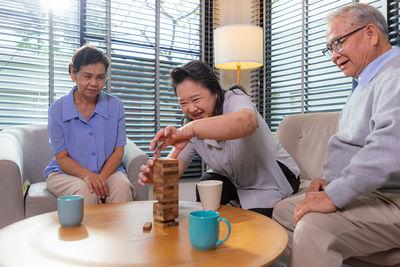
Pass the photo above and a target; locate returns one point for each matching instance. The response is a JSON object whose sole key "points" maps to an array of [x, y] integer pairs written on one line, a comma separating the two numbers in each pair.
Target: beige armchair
{"points": [[24, 154], [305, 137]]}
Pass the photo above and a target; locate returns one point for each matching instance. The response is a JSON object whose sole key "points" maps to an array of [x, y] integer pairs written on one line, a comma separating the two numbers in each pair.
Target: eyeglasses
{"points": [[336, 45]]}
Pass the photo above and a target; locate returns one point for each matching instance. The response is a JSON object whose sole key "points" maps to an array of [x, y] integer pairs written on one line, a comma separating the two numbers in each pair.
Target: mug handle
{"points": [[229, 230]]}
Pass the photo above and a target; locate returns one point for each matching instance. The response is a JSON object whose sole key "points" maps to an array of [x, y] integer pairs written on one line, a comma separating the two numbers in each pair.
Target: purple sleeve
{"points": [[56, 133], [121, 135]]}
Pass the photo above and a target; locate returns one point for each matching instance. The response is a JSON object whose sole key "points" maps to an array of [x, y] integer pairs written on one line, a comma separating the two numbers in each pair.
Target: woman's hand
{"points": [[146, 174], [171, 136], [97, 184]]}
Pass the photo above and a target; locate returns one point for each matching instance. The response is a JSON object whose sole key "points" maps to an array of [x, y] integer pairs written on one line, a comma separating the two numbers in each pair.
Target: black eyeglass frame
{"points": [[328, 51]]}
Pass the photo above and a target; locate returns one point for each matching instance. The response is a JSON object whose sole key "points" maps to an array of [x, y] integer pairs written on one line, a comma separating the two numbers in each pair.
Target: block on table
{"points": [[147, 226]]}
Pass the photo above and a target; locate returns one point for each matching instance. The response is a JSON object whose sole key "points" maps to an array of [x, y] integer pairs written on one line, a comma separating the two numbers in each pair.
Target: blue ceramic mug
{"points": [[204, 229], [70, 210]]}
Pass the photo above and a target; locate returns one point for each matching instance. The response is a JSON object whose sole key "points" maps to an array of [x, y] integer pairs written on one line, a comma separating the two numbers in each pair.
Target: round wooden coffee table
{"points": [[112, 235]]}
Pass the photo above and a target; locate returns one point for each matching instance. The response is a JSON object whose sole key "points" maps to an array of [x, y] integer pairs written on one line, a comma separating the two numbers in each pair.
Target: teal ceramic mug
{"points": [[204, 229], [70, 210]]}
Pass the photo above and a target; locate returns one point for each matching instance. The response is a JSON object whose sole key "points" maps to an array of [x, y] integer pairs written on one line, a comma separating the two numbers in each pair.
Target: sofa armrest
{"points": [[11, 190], [133, 158]]}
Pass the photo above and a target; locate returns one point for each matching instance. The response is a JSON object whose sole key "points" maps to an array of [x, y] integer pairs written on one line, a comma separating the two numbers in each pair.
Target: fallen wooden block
{"points": [[147, 226]]}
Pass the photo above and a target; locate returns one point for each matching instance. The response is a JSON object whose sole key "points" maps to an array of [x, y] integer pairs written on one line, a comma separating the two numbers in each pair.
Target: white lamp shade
{"points": [[238, 45]]}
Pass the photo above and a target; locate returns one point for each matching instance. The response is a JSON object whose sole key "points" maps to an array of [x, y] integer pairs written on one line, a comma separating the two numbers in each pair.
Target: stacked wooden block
{"points": [[166, 191]]}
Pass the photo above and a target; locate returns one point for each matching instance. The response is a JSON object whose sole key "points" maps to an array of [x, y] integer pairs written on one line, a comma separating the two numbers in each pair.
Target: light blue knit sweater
{"points": [[366, 149]]}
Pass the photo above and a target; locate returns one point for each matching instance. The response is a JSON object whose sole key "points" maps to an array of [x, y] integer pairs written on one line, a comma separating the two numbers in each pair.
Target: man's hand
{"points": [[146, 174], [313, 202], [317, 185], [97, 184]]}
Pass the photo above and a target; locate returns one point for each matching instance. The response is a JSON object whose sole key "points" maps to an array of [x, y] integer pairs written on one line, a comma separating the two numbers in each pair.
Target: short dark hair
{"points": [[86, 55], [199, 72]]}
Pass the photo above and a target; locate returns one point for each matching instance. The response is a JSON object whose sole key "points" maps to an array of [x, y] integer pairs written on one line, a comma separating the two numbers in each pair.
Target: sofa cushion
{"points": [[39, 200], [305, 137]]}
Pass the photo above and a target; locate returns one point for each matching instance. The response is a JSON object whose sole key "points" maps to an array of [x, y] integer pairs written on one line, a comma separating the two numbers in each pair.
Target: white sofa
{"points": [[24, 153], [305, 137]]}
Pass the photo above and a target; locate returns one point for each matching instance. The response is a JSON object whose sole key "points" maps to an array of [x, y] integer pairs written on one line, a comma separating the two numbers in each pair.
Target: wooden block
{"points": [[165, 170], [175, 202], [165, 181], [168, 176], [165, 205], [165, 224], [161, 208], [160, 182], [165, 218], [166, 161], [159, 177], [160, 195], [163, 213], [166, 212], [170, 169], [166, 193], [147, 226], [166, 189], [163, 198]]}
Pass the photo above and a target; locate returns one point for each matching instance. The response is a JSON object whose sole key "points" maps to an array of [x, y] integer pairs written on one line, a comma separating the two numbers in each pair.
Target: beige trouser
{"points": [[121, 190], [367, 225]]}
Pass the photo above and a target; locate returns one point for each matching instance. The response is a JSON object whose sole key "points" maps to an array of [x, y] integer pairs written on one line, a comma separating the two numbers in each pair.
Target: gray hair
{"points": [[359, 13]]}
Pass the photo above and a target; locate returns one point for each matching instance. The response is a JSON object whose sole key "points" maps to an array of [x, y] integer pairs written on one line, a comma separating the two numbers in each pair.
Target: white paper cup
{"points": [[210, 194]]}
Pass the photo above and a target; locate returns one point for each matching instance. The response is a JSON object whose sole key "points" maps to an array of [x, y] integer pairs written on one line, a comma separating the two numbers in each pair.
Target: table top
{"points": [[112, 235]]}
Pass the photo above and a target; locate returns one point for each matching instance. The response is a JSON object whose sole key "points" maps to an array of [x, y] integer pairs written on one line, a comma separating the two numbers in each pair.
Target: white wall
{"points": [[187, 190]]}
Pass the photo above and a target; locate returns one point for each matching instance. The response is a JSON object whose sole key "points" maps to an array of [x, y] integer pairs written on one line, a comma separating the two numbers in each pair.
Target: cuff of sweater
{"points": [[340, 193]]}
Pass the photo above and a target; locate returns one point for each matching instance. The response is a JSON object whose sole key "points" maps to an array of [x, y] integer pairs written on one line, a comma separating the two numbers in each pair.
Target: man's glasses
{"points": [[336, 45]]}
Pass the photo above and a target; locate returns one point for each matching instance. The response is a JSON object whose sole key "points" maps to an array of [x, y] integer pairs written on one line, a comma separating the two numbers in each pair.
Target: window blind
{"points": [[393, 16], [23, 63], [144, 40], [148, 39], [298, 78], [180, 43]]}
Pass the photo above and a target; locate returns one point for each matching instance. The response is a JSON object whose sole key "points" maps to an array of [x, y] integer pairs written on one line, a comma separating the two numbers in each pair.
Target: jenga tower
{"points": [[166, 191]]}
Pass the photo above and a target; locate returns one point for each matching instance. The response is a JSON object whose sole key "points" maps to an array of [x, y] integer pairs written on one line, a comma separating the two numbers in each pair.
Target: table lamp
{"points": [[237, 47]]}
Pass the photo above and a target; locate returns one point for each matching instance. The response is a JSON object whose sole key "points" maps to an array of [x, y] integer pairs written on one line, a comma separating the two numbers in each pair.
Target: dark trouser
{"points": [[229, 190]]}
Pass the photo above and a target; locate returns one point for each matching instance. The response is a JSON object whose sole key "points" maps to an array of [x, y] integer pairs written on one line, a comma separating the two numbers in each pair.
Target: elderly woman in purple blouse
{"points": [[87, 136]]}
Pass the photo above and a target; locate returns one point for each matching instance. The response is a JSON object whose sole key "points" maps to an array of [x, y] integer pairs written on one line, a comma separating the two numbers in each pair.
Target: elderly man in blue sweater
{"points": [[354, 209]]}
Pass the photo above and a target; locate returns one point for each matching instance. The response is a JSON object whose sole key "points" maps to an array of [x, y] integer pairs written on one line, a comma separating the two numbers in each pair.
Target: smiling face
{"points": [[90, 79], [195, 100], [356, 54]]}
